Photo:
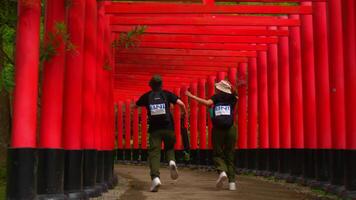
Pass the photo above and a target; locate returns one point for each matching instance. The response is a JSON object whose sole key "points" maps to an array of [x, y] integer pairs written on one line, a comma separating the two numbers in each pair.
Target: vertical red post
{"points": [[184, 98], [178, 144], [242, 108], [128, 130], [221, 76], [120, 127], [296, 98], [309, 100], [284, 90], [72, 102], [202, 115], [262, 99], [25, 102], [273, 103], [232, 77], [144, 128], [194, 118], [211, 92], [135, 132], [252, 103], [336, 58], [284, 102], [53, 76], [349, 20]]}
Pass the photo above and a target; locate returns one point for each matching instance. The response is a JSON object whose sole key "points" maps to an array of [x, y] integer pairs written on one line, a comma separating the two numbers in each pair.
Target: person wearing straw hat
{"points": [[158, 102], [223, 131]]}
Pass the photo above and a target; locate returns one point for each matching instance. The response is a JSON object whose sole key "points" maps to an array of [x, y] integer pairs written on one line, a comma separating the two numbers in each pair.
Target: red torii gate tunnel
{"points": [[296, 116]]}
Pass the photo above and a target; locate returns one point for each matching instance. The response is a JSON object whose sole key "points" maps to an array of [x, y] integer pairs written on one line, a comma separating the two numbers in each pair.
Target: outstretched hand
{"points": [[189, 94]]}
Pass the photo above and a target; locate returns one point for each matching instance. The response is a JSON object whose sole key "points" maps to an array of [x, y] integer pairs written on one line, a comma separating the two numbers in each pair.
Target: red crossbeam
{"points": [[206, 20], [170, 64], [122, 56], [203, 46], [179, 8], [200, 30]]}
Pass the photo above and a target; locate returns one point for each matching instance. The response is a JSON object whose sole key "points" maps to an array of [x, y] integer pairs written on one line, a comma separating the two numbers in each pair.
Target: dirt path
{"points": [[197, 185]]}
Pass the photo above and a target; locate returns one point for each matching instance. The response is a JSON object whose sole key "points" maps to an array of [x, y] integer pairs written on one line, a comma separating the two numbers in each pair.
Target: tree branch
{"points": [[4, 54]]}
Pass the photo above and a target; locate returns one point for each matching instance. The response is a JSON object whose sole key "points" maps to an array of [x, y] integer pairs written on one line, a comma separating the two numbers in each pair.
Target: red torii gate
{"points": [[302, 121]]}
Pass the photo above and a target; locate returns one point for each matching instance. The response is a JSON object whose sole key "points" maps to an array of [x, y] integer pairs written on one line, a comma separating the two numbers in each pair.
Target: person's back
{"points": [[157, 102]]}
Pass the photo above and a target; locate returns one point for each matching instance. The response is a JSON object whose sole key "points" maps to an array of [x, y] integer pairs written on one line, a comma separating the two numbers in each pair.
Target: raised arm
{"points": [[207, 102], [182, 106]]}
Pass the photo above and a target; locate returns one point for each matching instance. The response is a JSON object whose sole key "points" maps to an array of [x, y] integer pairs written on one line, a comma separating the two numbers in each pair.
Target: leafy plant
{"points": [[130, 38], [53, 40]]}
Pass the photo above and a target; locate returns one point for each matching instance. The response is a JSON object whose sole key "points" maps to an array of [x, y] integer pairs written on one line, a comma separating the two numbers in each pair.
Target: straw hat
{"points": [[223, 86]]}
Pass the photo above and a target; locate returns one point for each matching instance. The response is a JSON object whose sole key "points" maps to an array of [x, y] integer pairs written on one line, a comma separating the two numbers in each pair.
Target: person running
{"points": [[223, 131], [158, 102]]}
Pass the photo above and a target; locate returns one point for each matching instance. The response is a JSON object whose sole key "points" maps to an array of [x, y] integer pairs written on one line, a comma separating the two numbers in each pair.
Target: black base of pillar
{"points": [[21, 173], [262, 160], [120, 154], [210, 157], [73, 176], [128, 155], [90, 160], [251, 159], [309, 168], [322, 158], [194, 156], [144, 155], [100, 183], [135, 155], [283, 163], [337, 161], [350, 171], [50, 172], [179, 156], [296, 164], [203, 157], [273, 158], [108, 168]]}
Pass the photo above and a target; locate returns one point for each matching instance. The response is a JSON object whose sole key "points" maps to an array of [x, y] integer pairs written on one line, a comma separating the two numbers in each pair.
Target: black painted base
{"points": [[179, 156], [90, 160], [135, 155], [144, 155], [203, 157], [194, 157], [50, 172], [21, 170], [337, 161], [350, 171], [120, 154], [128, 155], [108, 168], [73, 176]]}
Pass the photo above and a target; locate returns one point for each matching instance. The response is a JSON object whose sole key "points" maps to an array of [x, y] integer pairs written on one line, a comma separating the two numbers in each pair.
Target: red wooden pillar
{"points": [[178, 144], [232, 76], [120, 127], [72, 102], [337, 78], [184, 98], [252, 112], [349, 19], [194, 123], [23, 139], [322, 91], [211, 92], [52, 105], [202, 123], [135, 133], [242, 108], [128, 130], [144, 134], [296, 99], [263, 142], [89, 86], [309, 101], [273, 103], [221, 76], [99, 93], [284, 102]]}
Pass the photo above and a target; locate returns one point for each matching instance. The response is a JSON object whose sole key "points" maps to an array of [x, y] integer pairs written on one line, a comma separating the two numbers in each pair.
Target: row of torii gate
{"points": [[296, 114]]}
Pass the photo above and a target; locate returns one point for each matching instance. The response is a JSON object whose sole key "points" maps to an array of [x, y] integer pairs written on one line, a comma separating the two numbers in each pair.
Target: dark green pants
{"points": [[224, 141], [154, 152]]}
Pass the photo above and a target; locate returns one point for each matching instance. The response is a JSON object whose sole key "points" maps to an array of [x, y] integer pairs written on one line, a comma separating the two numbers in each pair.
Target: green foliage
{"points": [[7, 81], [53, 40], [130, 38]]}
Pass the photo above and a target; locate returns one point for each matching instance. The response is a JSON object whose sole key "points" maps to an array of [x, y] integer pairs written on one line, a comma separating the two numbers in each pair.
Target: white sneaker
{"points": [[232, 186], [155, 184], [173, 169], [222, 178]]}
